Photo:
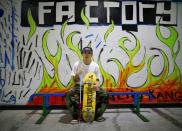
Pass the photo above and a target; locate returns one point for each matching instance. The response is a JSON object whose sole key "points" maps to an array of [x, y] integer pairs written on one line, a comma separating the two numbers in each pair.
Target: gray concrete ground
{"points": [[123, 119]]}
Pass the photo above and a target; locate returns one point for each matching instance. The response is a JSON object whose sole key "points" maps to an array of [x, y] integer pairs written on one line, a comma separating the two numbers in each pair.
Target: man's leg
{"points": [[72, 102], [102, 98]]}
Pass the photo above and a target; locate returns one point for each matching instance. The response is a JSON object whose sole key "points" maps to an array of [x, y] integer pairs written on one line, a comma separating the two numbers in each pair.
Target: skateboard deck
{"points": [[89, 97]]}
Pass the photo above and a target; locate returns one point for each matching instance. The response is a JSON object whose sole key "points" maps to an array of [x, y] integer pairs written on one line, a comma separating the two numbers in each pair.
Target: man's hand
{"points": [[76, 78], [79, 71], [96, 86]]}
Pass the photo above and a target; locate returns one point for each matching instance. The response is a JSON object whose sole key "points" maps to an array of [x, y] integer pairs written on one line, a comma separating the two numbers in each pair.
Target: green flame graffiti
{"points": [[32, 24], [110, 29], [159, 79], [54, 60], [130, 68], [69, 43], [71, 46], [85, 19], [170, 42], [108, 80], [120, 67], [63, 30], [154, 81]]}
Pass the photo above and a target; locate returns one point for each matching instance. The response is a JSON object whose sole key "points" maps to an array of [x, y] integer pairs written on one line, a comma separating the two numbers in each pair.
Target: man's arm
{"points": [[77, 70]]}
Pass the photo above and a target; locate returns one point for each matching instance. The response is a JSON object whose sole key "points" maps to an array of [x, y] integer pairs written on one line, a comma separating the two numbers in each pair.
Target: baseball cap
{"points": [[87, 49]]}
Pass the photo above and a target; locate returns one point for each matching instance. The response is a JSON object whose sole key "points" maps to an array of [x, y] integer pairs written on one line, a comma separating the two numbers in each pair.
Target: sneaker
{"points": [[74, 121], [100, 119]]}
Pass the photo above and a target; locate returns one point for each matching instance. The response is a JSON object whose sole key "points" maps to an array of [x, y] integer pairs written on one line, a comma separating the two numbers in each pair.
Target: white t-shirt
{"points": [[92, 67]]}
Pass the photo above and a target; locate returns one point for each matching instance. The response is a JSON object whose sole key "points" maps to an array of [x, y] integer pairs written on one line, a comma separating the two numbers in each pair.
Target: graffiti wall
{"points": [[137, 44]]}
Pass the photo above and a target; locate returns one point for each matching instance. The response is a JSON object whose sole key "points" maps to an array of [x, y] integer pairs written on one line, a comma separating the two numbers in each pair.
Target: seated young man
{"points": [[80, 69]]}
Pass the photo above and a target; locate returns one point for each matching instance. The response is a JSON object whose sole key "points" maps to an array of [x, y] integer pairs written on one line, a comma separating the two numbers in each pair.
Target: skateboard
{"points": [[89, 97]]}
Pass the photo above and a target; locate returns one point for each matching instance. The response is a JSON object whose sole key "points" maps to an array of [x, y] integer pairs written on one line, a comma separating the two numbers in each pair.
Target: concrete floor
{"points": [[160, 119]]}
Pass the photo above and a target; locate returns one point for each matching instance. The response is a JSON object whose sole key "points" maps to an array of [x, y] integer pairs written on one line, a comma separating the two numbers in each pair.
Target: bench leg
{"points": [[136, 109], [45, 111]]}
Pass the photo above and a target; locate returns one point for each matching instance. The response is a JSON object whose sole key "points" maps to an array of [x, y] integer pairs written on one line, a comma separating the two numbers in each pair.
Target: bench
{"points": [[136, 101]]}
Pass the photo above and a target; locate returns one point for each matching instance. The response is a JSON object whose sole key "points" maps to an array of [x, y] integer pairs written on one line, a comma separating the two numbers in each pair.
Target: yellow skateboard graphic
{"points": [[89, 97]]}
